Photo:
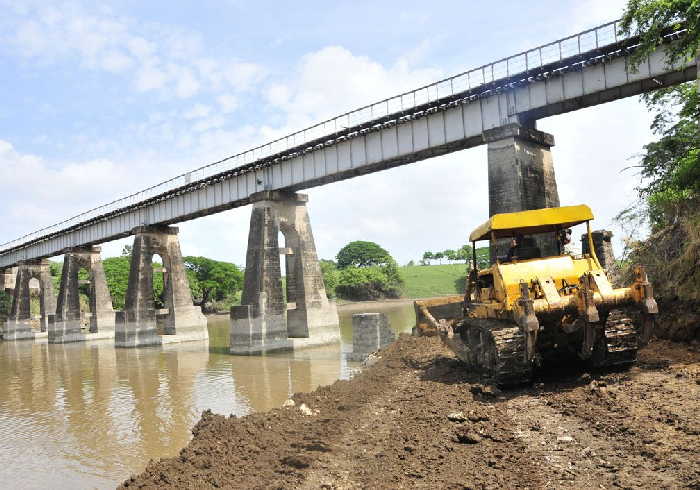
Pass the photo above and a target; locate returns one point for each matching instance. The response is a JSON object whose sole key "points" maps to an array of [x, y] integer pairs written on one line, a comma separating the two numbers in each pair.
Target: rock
{"points": [[476, 389], [585, 378], [288, 403], [456, 417], [477, 417], [297, 461], [467, 436], [539, 386], [565, 439], [305, 409], [491, 390], [371, 360]]}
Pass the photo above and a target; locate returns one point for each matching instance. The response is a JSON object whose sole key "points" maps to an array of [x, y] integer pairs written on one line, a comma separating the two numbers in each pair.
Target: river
{"points": [[87, 415]]}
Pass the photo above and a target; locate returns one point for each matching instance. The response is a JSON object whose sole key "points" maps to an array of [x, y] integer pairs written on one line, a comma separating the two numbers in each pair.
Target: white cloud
{"points": [[227, 102], [153, 57], [197, 111], [149, 78], [37, 193]]}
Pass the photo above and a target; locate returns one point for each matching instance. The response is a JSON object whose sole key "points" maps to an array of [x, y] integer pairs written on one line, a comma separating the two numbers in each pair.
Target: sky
{"points": [[101, 99]]}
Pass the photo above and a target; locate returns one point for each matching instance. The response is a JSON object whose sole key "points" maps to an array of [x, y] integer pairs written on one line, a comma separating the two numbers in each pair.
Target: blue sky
{"points": [[99, 101]]}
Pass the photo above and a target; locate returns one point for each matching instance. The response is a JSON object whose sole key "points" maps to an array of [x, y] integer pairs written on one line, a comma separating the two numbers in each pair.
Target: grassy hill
{"points": [[424, 281]]}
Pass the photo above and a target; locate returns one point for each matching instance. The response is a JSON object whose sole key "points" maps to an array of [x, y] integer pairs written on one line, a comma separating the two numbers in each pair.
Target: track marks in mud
{"points": [[417, 419]]}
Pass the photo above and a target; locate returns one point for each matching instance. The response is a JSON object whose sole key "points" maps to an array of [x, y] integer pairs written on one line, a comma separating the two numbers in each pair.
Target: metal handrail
{"points": [[532, 59]]}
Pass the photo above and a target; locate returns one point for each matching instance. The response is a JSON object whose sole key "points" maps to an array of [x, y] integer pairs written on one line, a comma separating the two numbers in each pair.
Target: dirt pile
{"points": [[671, 256], [417, 419]]}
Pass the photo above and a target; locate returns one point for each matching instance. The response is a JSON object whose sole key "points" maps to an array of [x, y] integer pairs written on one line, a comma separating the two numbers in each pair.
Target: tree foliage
{"points": [[651, 19], [366, 271], [362, 254], [368, 283], [331, 276], [212, 279], [670, 166]]}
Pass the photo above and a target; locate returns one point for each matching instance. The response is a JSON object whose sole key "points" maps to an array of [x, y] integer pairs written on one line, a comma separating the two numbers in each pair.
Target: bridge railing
{"points": [[520, 63]]}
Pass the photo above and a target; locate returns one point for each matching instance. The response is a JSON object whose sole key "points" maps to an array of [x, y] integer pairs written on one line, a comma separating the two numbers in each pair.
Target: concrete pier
{"points": [[370, 332], [7, 280], [521, 177], [264, 321], [66, 326], [136, 325], [18, 326]]}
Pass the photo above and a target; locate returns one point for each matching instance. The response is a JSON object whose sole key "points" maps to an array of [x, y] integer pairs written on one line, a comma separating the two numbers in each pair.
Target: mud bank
{"points": [[416, 419]]}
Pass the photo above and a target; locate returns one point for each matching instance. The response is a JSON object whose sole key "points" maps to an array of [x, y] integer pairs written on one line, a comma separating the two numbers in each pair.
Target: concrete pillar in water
{"points": [[8, 278], [370, 332], [136, 325], [19, 322], [521, 177], [263, 322], [66, 326]]}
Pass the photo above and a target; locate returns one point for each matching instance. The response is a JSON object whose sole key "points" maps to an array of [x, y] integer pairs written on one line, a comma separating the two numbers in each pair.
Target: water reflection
{"points": [[88, 415]]}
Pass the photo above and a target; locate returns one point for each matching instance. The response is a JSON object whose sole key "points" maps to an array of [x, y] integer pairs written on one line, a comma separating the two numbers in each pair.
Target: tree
{"points": [[330, 276], [438, 256], [117, 274], [651, 19], [366, 283], [427, 257], [670, 167], [367, 271], [212, 279], [464, 253], [362, 254], [450, 255]]}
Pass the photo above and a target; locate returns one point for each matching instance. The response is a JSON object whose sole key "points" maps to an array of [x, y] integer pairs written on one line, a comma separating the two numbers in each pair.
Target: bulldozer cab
{"points": [[525, 261]]}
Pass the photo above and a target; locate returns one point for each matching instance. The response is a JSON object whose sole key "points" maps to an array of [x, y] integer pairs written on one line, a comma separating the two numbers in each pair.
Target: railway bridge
{"points": [[497, 104]]}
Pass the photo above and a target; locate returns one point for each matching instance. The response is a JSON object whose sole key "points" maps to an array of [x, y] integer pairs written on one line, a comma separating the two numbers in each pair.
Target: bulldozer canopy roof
{"points": [[534, 221]]}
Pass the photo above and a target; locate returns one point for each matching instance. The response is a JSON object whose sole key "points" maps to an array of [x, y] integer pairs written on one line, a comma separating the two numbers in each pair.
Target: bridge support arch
{"points": [[521, 177], [66, 325], [265, 321], [136, 325], [18, 326]]}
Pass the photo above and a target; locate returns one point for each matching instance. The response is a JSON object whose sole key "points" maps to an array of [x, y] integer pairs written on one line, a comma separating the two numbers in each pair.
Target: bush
{"points": [[368, 283], [331, 276]]}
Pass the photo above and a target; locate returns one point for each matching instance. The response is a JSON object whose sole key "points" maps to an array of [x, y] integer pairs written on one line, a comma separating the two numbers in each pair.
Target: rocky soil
{"points": [[417, 419]]}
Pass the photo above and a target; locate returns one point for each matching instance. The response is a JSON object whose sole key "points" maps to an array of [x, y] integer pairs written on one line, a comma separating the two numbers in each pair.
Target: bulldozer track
{"points": [[497, 351], [620, 342]]}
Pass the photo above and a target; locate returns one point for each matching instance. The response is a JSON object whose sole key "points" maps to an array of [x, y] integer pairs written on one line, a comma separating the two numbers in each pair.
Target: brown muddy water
{"points": [[87, 415]]}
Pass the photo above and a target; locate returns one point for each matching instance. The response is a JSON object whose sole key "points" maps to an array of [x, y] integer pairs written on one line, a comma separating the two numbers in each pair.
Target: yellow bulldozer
{"points": [[527, 309]]}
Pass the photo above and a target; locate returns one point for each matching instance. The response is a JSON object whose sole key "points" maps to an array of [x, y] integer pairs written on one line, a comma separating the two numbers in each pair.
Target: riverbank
{"points": [[416, 418]]}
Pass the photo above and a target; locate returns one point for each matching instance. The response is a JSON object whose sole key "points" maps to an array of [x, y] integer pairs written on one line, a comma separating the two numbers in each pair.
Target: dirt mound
{"points": [[417, 419], [671, 256]]}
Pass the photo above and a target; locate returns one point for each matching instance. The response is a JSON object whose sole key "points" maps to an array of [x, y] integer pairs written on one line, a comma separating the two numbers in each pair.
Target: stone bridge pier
{"points": [[18, 325], [136, 325], [8, 277], [521, 177], [65, 326], [264, 321]]}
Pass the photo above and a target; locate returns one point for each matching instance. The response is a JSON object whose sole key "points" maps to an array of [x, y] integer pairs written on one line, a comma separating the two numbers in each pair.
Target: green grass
{"points": [[425, 281]]}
